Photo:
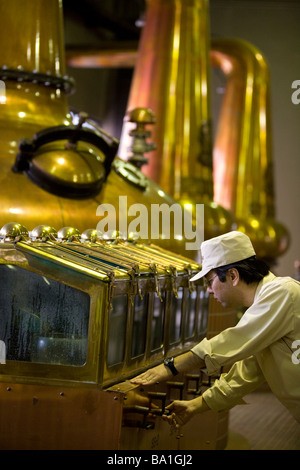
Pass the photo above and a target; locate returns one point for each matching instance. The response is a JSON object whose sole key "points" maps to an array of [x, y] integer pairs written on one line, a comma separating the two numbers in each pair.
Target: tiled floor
{"points": [[264, 424]]}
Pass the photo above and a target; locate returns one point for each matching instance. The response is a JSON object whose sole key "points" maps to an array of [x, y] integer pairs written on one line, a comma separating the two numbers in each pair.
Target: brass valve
{"points": [[142, 117]]}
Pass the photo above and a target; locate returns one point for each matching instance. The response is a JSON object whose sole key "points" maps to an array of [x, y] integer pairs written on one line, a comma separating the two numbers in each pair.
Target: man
{"points": [[261, 347]]}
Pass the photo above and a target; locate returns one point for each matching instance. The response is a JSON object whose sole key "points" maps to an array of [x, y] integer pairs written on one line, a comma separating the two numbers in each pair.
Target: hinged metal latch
{"points": [[173, 273], [153, 268], [111, 276], [134, 273], [188, 269]]}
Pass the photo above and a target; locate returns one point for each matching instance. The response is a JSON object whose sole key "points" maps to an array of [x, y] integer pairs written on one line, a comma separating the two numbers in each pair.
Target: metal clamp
{"points": [[134, 274], [173, 273], [111, 276], [153, 268]]}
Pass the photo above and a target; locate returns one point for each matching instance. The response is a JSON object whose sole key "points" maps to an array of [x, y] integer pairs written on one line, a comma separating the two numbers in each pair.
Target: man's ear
{"points": [[234, 276]]}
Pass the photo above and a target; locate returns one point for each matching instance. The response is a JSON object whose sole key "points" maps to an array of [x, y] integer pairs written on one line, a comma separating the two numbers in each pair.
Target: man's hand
{"points": [[183, 363], [152, 376], [184, 410]]}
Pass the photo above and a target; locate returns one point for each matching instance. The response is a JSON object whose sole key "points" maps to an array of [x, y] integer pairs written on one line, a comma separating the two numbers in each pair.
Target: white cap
{"points": [[225, 249]]}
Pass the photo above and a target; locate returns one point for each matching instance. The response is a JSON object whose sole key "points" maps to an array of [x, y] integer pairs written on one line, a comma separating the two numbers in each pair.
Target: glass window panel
{"points": [[139, 326], [157, 326], [191, 300], [176, 315], [117, 329], [204, 306], [42, 320]]}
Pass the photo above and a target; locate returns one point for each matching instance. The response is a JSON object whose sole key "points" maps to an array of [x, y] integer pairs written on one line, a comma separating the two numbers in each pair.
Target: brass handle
{"points": [[177, 386], [193, 378], [157, 396], [140, 420]]}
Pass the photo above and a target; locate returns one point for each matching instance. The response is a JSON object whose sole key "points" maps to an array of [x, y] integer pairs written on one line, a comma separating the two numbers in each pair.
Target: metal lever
{"points": [[178, 386], [206, 382], [141, 411], [196, 378], [158, 396]]}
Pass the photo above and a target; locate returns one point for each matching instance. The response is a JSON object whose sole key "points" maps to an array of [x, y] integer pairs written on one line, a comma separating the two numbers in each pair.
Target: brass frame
{"points": [[72, 264]]}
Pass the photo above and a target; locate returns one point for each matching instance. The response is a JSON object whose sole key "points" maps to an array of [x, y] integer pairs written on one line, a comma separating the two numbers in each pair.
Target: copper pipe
{"points": [[243, 163], [171, 78]]}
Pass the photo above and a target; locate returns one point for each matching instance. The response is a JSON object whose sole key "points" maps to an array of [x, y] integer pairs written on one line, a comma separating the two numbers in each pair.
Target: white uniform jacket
{"points": [[263, 346]]}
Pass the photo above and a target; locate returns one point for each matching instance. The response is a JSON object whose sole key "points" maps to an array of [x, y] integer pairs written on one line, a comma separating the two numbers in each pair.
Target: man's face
{"points": [[223, 292]]}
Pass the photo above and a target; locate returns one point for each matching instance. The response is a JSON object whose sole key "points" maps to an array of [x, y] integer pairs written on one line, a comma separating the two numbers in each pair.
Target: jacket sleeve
{"points": [[269, 318], [229, 390]]}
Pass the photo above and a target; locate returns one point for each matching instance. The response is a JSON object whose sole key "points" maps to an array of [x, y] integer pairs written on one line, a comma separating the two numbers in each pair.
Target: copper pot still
{"points": [[54, 172], [58, 173]]}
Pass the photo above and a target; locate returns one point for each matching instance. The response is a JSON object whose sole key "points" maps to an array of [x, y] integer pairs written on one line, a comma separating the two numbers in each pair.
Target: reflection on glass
{"points": [[157, 325], [139, 327], [190, 313], [176, 315], [204, 307], [117, 329], [42, 320]]}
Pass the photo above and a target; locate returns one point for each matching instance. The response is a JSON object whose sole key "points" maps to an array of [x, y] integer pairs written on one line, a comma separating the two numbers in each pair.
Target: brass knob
{"points": [[90, 235], [141, 115], [43, 232], [13, 231], [68, 233]]}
